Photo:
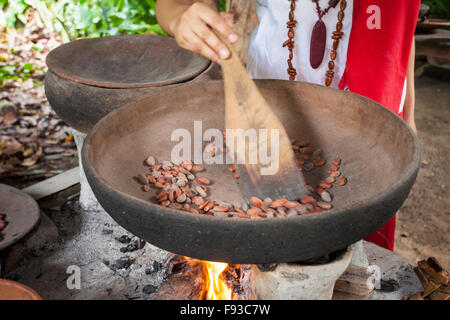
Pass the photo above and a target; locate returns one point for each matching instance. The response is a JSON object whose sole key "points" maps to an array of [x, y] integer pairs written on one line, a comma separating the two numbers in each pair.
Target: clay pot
{"points": [[11, 290], [89, 78]]}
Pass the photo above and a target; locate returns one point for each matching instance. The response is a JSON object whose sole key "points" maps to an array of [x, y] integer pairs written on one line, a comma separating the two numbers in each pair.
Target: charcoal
{"points": [[122, 263], [124, 239]]}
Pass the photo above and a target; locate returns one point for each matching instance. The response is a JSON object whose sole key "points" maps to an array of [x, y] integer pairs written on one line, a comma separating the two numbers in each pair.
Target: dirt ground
{"points": [[423, 223]]}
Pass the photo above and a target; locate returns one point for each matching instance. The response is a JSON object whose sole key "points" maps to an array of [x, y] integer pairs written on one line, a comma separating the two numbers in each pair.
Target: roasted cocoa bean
{"points": [[278, 203], [308, 199], [142, 178], [255, 201], [342, 181]]}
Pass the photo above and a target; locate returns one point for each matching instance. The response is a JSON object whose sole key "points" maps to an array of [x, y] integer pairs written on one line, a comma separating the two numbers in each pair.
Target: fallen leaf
{"points": [[13, 147], [10, 117], [69, 138], [27, 152]]}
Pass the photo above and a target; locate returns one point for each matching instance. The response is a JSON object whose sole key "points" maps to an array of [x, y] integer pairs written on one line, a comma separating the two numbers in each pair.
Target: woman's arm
{"points": [[191, 23], [410, 100]]}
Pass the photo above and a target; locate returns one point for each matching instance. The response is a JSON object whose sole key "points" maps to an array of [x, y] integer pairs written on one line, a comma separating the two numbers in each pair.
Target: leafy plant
{"points": [[14, 72], [86, 18], [439, 8]]}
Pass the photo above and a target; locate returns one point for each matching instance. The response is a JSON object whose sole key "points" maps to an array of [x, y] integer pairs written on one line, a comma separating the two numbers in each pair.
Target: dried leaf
{"points": [[27, 152], [10, 117]]}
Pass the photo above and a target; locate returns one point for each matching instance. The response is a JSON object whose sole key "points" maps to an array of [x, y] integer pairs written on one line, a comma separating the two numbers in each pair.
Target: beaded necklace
{"points": [[318, 39]]}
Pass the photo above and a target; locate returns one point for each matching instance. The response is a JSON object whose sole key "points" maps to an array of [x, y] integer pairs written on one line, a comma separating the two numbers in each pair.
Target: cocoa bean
{"points": [[291, 204], [291, 212], [336, 161], [181, 198], [142, 178], [197, 168], [342, 181], [203, 180], [330, 179], [324, 205], [200, 191], [255, 201], [325, 196], [307, 199], [150, 161], [278, 203]]}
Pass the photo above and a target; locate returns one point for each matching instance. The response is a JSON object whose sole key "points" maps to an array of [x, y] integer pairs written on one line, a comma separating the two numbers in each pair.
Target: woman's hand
{"points": [[193, 30]]}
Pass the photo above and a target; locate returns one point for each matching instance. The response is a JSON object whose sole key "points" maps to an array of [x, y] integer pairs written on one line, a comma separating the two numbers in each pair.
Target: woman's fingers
{"points": [[212, 40], [200, 29], [228, 17], [216, 22], [198, 45]]}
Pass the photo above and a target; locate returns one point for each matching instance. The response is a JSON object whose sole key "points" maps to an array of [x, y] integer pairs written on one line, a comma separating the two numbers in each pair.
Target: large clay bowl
{"points": [[380, 156], [88, 78]]}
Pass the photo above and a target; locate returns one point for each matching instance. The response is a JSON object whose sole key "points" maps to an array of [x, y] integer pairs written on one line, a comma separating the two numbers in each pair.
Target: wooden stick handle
{"points": [[245, 20]]}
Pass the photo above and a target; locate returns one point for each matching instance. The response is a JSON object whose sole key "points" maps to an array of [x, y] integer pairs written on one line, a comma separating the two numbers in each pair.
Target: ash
{"points": [[113, 263]]}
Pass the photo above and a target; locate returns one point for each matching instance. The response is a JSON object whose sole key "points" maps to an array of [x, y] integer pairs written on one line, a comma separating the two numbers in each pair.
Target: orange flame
{"points": [[215, 287]]}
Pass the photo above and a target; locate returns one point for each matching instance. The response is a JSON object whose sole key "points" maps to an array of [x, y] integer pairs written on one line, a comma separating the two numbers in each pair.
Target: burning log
{"points": [[191, 279], [185, 281]]}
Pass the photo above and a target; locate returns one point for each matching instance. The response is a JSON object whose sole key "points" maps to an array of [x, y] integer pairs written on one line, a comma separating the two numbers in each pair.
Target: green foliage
{"points": [[14, 72], [86, 18], [439, 8]]}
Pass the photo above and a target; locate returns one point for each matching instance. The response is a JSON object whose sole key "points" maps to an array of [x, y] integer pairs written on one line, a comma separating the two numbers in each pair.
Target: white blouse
{"points": [[267, 59]]}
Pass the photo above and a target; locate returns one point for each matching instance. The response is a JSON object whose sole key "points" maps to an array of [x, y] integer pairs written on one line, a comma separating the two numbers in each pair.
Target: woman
{"points": [[364, 46]]}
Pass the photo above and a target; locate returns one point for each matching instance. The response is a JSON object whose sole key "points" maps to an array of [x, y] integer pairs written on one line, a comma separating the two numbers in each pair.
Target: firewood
{"points": [[184, 284], [438, 295], [434, 271], [416, 296], [429, 286], [443, 293], [354, 284]]}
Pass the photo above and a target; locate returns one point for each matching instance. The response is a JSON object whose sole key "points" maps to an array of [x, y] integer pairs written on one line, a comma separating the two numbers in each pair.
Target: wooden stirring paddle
{"points": [[246, 109]]}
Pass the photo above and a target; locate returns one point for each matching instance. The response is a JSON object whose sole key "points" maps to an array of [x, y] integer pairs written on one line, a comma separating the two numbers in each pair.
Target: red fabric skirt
{"points": [[377, 61]]}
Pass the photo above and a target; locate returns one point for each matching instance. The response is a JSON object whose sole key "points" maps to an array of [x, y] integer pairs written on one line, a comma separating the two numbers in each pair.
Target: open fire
{"points": [[215, 288]]}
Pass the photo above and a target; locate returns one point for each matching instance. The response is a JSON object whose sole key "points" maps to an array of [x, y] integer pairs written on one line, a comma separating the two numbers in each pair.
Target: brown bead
{"points": [[343, 5], [341, 16], [333, 3], [333, 54], [291, 24], [291, 16], [339, 26], [290, 64], [328, 81], [335, 44], [291, 33], [287, 42], [292, 77], [330, 73], [336, 37], [292, 5], [331, 65], [338, 33], [291, 55]]}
